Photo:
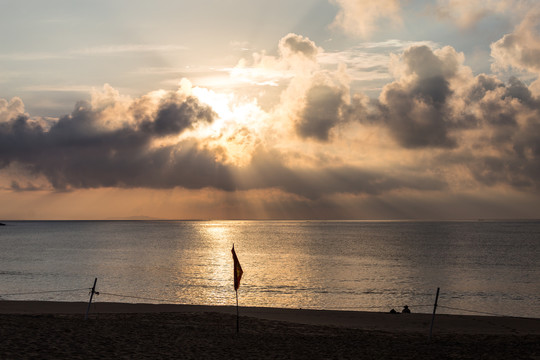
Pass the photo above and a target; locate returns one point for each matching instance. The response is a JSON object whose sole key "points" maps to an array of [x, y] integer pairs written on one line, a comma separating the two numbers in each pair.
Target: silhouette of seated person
{"points": [[406, 310]]}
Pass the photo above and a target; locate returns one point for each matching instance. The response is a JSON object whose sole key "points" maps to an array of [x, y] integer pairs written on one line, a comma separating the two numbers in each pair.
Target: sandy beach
{"points": [[57, 330]]}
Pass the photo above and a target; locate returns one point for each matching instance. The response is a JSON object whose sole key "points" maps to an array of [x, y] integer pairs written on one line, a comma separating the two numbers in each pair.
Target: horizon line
{"points": [[282, 219]]}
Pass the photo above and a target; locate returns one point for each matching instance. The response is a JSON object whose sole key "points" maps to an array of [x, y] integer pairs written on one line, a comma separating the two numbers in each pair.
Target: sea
{"points": [[480, 267]]}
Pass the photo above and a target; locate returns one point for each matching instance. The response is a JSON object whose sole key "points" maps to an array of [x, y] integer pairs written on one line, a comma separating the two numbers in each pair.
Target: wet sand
{"points": [[57, 330]]}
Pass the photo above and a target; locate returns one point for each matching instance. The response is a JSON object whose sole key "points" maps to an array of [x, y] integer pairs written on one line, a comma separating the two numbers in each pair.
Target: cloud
{"points": [[436, 128], [466, 13], [416, 106], [318, 102], [296, 54], [176, 115], [363, 18], [321, 113], [521, 48], [15, 186], [10, 109], [479, 124], [360, 18], [292, 45], [151, 142], [501, 149], [77, 151], [269, 170], [314, 98], [323, 103]]}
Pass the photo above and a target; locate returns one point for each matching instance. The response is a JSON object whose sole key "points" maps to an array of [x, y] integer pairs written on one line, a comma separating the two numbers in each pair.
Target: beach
{"points": [[55, 330]]}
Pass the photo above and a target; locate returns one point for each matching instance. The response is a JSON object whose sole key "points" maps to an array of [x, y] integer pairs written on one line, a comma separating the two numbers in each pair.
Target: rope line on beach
{"points": [[484, 312], [170, 301], [387, 306], [139, 297], [374, 307], [46, 292], [178, 302]]}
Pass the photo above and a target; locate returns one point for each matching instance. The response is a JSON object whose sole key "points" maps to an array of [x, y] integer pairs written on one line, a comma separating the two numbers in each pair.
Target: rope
{"points": [[383, 307], [177, 302], [140, 297], [373, 307], [484, 312], [386, 306], [45, 292]]}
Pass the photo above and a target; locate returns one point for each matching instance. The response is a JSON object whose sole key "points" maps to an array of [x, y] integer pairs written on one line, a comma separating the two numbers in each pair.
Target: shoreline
{"points": [[57, 330], [363, 320]]}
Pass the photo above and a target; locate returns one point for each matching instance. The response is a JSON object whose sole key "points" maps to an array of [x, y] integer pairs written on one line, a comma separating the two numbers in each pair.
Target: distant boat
{"points": [[2, 224]]}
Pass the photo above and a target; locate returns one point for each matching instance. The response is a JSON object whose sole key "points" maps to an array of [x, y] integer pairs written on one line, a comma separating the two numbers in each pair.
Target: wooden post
{"points": [[433, 316], [237, 316], [91, 296]]}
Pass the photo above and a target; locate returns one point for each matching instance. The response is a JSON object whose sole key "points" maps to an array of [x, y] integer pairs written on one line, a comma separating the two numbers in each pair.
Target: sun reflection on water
{"points": [[213, 276]]}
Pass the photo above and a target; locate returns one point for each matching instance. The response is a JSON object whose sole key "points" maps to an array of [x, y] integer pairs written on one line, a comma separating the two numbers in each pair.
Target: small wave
{"points": [[13, 273]]}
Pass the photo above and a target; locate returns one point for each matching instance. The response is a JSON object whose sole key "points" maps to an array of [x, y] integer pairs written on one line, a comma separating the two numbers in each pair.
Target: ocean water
{"points": [[482, 266]]}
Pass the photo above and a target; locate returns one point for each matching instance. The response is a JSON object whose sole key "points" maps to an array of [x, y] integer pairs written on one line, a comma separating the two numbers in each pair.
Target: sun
{"points": [[239, 125]]}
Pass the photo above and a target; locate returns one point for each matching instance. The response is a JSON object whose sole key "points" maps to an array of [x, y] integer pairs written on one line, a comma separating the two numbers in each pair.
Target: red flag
{"points": [[237, 270]]}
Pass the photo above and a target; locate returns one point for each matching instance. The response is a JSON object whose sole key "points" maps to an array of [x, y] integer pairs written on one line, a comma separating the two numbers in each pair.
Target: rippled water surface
{"points": [[483, 266]]}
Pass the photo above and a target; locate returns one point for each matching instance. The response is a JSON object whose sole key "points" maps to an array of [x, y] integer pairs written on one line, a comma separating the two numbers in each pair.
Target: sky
{"points": [[243, 109]]}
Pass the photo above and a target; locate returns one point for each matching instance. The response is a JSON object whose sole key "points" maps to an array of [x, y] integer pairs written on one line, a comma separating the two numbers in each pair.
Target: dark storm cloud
{"points": [[435, 104], [482, 85], [517, 164], [500, 106], [413, 126], [500, 111], [268, 170], [18, 137], [323, 111], [527, 149], [174, 117], [78, 152], [506, 168], [421, 111], [518, 90], [416, 112], [507, 151]]}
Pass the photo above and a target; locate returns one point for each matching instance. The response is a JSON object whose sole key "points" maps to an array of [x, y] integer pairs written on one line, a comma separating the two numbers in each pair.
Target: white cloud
{"points": [[297, 54], [361, 18], [11, 109], [466, 13], [521, 48]]}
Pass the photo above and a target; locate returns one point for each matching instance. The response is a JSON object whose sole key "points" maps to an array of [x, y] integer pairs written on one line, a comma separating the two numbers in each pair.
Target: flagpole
{"points": [[237, 316], [237, 277]]}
